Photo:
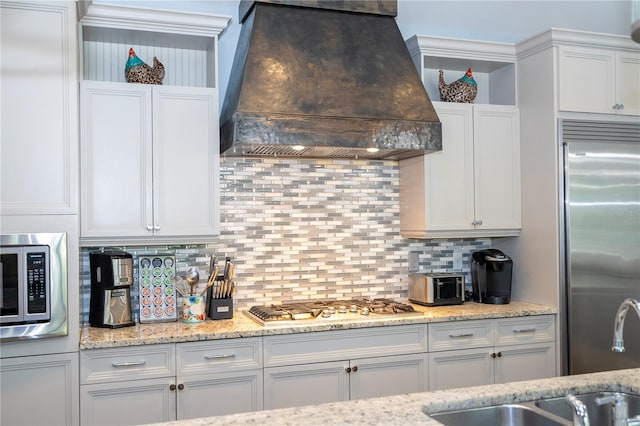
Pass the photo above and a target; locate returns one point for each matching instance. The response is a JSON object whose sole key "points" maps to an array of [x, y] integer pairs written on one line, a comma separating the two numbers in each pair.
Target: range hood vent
{"points": [[325, 79]]}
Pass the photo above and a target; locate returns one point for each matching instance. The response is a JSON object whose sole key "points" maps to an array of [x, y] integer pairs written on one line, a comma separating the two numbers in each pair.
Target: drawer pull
{"points": [[128, 364], [456, 336], [525, 330], [219, 356]]}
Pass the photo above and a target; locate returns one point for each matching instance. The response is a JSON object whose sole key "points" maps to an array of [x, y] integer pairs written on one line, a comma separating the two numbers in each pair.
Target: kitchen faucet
{"points": [[580, 415], [618, 341]]}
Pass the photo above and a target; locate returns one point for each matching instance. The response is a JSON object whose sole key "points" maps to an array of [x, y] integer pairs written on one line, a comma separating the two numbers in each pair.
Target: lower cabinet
{"points": [[321, 367], [484, 352], [39, 390], [159, 383]]}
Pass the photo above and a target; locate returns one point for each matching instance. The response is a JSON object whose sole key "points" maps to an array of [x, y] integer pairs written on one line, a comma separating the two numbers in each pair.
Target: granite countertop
{"points": [[410, 409], [241, 326]]}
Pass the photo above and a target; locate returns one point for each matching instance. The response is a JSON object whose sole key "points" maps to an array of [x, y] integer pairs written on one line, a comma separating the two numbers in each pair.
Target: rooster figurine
{"points": [[136, 71], [462, 90]]}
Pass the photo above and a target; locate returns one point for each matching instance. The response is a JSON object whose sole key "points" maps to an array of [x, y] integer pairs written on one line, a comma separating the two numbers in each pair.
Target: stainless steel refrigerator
{"points": [[602, 241]]}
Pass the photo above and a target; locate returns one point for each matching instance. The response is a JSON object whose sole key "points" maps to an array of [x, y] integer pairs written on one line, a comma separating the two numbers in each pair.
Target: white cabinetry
{"points": [[599, 80], [39, 390], [150, 162], [39, 108], [483, 352], [472, 186], [159, 383], [222, 377], [330, 366]]}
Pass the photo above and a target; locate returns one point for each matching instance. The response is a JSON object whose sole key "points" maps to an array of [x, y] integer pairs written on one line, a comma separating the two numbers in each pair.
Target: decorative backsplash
{"points": [[309, 229]]}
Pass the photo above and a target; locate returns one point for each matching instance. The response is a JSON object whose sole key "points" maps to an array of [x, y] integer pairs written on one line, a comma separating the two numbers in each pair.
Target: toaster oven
{"points": [[436, 289]]}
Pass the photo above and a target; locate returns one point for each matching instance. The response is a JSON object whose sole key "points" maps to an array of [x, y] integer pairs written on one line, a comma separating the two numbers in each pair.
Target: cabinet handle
{"points": [[525, 330], [496, 355], [149, 228], [180, 386], [457, 336], [128, 364], [355, 368], [172, 387], [219, 356], [156, 227], [499, 354], [348, 369]]}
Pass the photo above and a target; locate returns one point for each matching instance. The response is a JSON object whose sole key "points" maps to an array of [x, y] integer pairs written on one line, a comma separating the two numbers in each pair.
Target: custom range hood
{"points": [[325, 79]]}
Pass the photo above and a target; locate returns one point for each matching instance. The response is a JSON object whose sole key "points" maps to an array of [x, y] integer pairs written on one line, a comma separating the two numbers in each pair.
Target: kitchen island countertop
{"points": [[241, 326], [408, 409]]}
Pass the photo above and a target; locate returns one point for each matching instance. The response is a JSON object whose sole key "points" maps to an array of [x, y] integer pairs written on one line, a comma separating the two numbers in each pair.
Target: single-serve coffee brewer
{"points": [[111, 281], [491, 272]]}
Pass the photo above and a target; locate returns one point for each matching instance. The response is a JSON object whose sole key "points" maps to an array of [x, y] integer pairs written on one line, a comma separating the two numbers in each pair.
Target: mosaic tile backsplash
{"points": [[300, 229]]}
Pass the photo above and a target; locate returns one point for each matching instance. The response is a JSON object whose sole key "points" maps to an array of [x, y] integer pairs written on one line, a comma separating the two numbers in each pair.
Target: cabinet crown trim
{"points": [[557, 36], [155, 20], [486, 51]]}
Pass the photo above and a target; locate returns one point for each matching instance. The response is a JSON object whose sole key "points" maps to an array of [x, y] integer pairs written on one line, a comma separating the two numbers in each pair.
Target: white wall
{"points": [[505, 21]]}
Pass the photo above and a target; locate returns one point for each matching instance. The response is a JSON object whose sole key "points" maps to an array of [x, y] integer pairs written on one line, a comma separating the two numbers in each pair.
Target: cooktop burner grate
{"points": [[328, 310]]}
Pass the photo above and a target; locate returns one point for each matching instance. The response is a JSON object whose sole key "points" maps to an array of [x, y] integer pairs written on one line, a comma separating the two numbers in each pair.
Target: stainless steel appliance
{"points": [[436, 289], [602, 241], [491, 273], [329, 311], [33, 285], [111, 281]]}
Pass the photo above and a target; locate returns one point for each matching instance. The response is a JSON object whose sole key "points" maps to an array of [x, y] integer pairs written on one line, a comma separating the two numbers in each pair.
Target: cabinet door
{"points": [[306, 384], [525, 362], [586, 79], [390, 375], [461, 368], [116, 173], [128, 403], [220, 394], [39, 108], [496, 153], [185, 161], [628, 82], [448, 173], [48, 381]]}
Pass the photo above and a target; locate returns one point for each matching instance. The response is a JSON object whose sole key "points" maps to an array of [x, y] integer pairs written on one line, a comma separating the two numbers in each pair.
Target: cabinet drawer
{"points": [[510, 331], [460, 335], [335, 345], [131, 363], [219, 356]]}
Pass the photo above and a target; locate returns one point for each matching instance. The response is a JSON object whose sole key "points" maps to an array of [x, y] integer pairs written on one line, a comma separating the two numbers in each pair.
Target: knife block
{"points": [[220, 308]]}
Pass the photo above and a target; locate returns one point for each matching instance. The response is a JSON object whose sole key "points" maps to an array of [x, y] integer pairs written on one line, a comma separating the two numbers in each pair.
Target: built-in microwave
{"points": [[25, 284], [33, 285]]}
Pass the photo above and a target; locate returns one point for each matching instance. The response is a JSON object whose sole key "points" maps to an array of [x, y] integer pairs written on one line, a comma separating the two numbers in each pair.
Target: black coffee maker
{"points": [[491, 272], [111, 281]]}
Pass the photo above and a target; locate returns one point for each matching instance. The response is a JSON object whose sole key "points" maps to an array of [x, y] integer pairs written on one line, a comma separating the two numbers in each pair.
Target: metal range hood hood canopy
{"points": [[337, 82]]}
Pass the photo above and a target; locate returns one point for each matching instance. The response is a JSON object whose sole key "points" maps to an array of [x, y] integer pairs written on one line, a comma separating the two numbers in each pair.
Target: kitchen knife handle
{"points": [[128, 364], [524, 330], [224, 356], [456, 336]]}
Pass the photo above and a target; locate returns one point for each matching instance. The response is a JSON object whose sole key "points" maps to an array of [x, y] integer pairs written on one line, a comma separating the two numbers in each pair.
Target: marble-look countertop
{"points": [[410, 409], [242, 326]]}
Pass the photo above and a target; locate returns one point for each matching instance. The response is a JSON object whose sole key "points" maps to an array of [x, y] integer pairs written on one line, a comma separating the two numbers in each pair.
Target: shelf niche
{"points": [[493, 65]]}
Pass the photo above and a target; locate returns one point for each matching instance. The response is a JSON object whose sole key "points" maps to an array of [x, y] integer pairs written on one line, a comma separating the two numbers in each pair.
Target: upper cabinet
{"points": [[472, 187], [149, 153], [150, 163], [39, 104], [600, 80]]}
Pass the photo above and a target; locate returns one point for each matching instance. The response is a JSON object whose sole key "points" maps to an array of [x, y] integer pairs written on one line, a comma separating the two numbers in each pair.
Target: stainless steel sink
{"points": [[500, 415], [544, 412], [598, 414]]}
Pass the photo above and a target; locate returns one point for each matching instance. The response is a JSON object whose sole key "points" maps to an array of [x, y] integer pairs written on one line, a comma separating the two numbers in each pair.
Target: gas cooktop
{"points": [[329, 310]]}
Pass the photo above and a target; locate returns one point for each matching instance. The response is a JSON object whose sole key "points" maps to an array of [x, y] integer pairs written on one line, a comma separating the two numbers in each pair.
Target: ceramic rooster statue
{"points": [[136, 71], [462, 90]]}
